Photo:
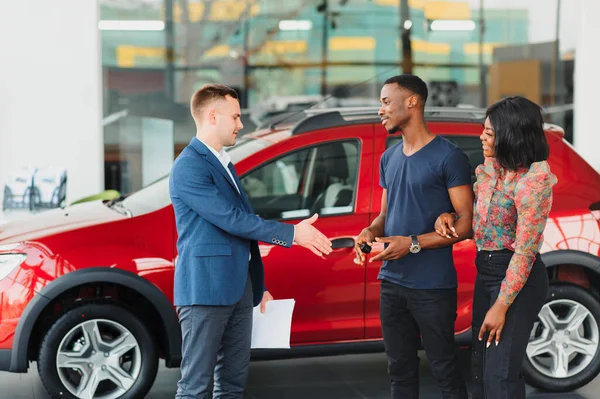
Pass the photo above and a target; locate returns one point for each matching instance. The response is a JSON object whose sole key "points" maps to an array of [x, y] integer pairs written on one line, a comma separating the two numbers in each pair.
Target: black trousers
{"points": [[407, 315], [497, 370]]}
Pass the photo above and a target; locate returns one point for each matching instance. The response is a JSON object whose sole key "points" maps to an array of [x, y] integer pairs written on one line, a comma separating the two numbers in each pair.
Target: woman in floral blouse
{"points": [[513, 196]]}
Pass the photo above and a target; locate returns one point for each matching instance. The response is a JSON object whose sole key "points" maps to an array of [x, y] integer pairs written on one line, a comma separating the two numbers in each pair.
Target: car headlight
{"points": [[8, 263]]}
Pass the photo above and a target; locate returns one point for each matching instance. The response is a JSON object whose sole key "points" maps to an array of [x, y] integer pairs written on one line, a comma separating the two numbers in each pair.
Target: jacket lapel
{"points": [[245, 199], [210, 157]]}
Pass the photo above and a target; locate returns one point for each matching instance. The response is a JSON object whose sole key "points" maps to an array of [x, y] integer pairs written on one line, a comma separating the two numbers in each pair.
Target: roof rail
{"points": [[320, 120], [336, 117], [473, 112]]}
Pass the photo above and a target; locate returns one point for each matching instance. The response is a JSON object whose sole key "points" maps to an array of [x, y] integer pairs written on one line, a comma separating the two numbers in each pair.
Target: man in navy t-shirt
{"points": [[423, 176]]}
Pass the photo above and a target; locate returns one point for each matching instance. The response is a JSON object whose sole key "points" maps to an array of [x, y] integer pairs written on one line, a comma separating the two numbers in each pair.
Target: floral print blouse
{"points": [[511, 210]]}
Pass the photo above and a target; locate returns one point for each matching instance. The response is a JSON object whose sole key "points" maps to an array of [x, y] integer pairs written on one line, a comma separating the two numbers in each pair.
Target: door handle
{"points": [[345, 242]]}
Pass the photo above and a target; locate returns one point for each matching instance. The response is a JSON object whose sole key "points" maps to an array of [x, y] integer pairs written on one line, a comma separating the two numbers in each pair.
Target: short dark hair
{"points": [[207, 94], [519, 130], [412, 83]]}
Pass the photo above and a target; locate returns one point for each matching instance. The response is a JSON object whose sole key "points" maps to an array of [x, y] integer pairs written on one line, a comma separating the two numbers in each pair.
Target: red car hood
{"points": [[56, 221]]}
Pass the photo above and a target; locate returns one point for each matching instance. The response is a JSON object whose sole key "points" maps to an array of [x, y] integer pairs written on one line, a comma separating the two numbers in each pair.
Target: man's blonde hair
{"points": [[208, 94]]}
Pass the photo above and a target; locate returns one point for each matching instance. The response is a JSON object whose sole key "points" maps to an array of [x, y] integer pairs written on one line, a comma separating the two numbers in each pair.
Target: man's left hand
{"points": [[397, 248], [266, 298]]}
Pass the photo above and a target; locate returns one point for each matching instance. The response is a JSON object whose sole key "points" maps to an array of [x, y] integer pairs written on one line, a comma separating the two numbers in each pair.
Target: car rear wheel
{"points": [[564, 346], [98, 351]]}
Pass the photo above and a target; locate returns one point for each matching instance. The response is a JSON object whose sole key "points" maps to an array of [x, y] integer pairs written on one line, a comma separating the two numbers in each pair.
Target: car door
{"points": [[463, 252], [330, 177]]}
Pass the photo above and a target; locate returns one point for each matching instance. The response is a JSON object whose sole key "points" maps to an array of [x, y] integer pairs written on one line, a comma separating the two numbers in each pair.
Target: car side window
{"points": [[318, 179], [392, 141], [280, 177], [471, 146]]}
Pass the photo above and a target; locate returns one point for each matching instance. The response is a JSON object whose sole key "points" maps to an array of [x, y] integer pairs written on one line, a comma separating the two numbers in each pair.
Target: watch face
{"points": [[415, 249]]}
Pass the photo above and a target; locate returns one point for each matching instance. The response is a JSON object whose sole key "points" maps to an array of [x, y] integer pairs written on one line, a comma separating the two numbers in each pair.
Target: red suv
{"points": [[86, 291]]}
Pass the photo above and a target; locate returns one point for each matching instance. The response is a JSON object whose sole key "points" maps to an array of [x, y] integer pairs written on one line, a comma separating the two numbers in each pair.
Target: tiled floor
{"points": [[340, 377]]}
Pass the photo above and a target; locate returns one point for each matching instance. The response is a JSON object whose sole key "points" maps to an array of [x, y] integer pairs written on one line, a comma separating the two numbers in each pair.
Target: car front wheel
{"points": [[563, 352], [98, 351]]}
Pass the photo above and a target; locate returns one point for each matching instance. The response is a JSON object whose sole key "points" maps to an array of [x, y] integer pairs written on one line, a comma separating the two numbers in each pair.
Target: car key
{"points": [[366, 248]]}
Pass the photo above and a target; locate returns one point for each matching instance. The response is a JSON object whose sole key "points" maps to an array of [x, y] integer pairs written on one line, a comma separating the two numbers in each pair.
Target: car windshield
{"points": [[156, 195]]}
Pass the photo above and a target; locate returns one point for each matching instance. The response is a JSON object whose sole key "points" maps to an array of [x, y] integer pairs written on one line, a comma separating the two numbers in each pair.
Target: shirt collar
{"points": [[222, 156], [225, 158]]}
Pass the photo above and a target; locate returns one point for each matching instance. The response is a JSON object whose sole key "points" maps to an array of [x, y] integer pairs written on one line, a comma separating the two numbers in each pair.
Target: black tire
{"points": [[50, 345], [541, 381]]}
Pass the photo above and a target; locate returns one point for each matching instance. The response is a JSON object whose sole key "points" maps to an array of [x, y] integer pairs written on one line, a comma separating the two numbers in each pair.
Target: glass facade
{"points": [[283, 56]]}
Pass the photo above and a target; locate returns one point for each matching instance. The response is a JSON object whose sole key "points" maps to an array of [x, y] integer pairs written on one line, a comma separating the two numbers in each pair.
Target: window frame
{"points": [[308, 173]]}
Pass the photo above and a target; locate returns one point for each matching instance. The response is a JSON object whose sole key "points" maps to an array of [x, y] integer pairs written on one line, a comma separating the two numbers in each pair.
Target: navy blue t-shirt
{"points": [[417, 193]]}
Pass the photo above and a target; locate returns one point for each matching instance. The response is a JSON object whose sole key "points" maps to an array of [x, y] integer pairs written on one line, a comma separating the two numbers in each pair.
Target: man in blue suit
{"points": [[219, 272]]}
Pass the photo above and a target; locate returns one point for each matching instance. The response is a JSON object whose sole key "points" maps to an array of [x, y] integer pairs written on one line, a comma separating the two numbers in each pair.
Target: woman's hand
{"points": [[493, 323], [444, 225]]}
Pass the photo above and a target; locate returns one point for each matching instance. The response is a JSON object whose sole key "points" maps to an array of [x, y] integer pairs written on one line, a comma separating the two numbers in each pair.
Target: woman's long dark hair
{"points": [[519, 129]]}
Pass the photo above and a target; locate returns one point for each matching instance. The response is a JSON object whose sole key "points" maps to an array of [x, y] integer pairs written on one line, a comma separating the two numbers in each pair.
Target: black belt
{"points": [[491, 254]]}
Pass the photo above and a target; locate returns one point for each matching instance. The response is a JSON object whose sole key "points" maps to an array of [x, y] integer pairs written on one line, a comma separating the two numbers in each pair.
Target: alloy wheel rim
{"points": [[98, 359], [564, 339]]}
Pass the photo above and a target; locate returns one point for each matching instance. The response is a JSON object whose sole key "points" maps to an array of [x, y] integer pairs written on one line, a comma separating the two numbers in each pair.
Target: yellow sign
{"points": [[447, 10], [421, 46], [218, 51], [342, 43], [417, 4], [126, 55], [221, 10], [473, 48], [284, 47]]}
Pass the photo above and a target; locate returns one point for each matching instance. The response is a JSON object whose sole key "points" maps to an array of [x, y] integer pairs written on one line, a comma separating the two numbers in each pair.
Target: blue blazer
{"points": [[217, 230]]}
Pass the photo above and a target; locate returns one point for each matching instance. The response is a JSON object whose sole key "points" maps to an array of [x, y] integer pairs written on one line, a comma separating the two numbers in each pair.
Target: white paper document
{"points": [[272, 329]]}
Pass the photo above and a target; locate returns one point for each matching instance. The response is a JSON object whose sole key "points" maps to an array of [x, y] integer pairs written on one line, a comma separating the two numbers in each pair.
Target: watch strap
{"points": [[414, 239]]}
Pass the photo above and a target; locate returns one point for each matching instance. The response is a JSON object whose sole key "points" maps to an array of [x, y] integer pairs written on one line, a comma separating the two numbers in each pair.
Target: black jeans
{"points": [[497, 370], [405, 313]]}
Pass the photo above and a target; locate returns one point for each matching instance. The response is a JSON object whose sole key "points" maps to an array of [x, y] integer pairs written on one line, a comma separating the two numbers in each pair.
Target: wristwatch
{"points": [[415, 247]]}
